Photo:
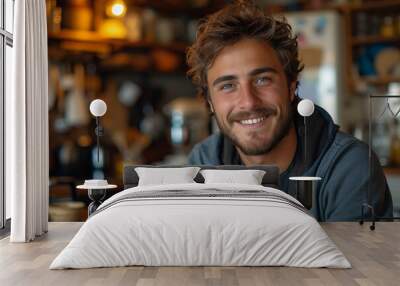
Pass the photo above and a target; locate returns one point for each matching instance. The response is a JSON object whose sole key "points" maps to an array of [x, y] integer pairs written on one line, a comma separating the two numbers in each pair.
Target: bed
{"points": [[201, 223]]}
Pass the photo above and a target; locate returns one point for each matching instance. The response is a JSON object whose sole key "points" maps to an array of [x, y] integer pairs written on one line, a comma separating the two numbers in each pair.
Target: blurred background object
{"points": [[189, 124], [131, 54], [321, 39], [77, 14]]}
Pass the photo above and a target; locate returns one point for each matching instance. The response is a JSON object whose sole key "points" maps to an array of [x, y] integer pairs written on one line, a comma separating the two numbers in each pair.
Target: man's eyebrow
{"points": [[262, 70], [223, 78], [252, 73]]}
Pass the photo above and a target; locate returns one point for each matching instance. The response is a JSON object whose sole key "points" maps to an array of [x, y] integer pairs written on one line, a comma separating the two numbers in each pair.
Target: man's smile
{"points": [[253, 122]]}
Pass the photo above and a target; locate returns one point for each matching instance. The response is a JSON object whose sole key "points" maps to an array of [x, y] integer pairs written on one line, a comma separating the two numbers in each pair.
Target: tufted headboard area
{"points": [[270, 179]]}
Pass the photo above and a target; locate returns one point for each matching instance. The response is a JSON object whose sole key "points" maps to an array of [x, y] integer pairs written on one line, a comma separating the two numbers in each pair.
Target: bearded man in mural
{"points": [[245, 64]]}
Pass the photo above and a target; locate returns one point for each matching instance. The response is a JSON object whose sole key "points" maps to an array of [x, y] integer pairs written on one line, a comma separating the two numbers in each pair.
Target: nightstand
{"points": [[97, 190]]}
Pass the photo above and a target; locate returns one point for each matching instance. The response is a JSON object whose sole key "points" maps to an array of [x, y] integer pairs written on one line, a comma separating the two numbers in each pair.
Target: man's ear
{"points": [[210, 104]]}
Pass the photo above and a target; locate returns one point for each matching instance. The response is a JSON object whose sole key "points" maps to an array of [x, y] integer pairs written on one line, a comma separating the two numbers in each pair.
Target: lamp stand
{"points": [[99, 131], [97, 196], [305, 140]]}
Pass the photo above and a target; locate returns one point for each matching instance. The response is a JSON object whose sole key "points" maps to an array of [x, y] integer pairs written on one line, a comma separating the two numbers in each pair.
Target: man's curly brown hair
{"points": [[242, 19]]}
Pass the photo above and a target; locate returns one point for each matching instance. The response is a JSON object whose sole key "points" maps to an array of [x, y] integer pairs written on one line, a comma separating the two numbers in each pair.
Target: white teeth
{"points": [[252, 121]]}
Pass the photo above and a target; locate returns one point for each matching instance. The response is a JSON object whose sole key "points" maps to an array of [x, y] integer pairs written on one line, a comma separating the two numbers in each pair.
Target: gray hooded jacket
{"points": [[338, 158]]}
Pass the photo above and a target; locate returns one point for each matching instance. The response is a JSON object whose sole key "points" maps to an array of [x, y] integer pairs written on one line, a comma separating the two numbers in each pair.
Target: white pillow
{"points": [[249, 177], [163, 176]]}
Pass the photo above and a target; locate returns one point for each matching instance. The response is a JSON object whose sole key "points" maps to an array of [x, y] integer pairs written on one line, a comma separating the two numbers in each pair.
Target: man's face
{"points": [[250, 96]]}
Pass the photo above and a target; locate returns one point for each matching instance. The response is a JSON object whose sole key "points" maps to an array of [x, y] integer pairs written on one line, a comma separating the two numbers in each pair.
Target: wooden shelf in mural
{"points": [[364, 5], [380, 80], [179, 8], [115, 54], [353, 43], [372, 5], [95, 42], [365, 40]]}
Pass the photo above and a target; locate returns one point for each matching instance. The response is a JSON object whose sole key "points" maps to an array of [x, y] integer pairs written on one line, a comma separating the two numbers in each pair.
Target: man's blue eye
{"points": [[226, 86], [262, 80]]}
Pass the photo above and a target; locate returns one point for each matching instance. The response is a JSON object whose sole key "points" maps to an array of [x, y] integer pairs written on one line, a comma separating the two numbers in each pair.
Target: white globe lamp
{"points": [[98, 108], [305, 107]]}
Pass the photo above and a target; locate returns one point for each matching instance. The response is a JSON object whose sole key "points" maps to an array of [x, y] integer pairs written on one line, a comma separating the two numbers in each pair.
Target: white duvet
{"points": [[190, 231]]}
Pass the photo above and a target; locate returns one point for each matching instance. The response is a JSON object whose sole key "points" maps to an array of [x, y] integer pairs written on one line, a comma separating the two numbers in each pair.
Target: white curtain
{"points": [[27, 124]]}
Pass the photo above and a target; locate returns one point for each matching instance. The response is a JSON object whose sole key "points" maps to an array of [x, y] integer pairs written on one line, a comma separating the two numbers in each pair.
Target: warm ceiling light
{"points": [[116, 8]]}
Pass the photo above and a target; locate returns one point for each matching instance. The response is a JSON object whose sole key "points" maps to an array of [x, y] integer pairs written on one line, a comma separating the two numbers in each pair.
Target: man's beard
{"points": [[281, 131]]}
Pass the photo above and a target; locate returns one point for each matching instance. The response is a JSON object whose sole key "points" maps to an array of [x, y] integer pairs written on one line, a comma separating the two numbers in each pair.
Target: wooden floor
{"points": [[375, 257]]}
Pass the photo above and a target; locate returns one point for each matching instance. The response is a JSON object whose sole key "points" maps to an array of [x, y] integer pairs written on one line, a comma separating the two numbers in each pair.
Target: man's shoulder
{"points": [[344, 153], [346, 171], [207, 151], [211, 144], [344, 142]]}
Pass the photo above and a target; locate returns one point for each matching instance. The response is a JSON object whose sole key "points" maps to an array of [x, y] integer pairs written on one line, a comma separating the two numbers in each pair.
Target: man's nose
{"points": [[248, 97]]}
